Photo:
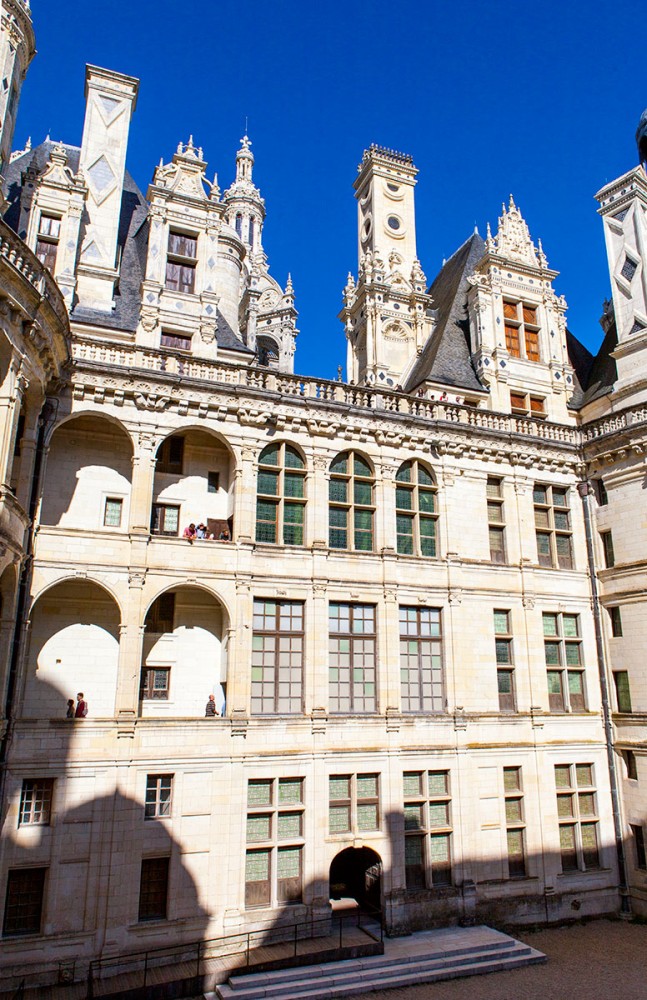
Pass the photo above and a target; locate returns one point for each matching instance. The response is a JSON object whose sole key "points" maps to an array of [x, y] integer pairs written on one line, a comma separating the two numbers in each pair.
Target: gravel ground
{"points": [[603, 960]]}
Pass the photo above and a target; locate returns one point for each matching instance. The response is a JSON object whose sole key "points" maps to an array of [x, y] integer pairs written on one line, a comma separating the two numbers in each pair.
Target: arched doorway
{"points": [[356, 873]]}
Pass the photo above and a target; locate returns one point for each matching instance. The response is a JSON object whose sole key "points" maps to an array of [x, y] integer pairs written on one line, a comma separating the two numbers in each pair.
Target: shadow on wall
{"points": [[73, 646], [89, 458], [87, 870]]}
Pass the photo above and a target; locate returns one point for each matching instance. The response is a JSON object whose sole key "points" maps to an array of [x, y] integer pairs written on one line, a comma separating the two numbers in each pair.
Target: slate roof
{"points": [[446, 357], [603, 371], [132, 239]]}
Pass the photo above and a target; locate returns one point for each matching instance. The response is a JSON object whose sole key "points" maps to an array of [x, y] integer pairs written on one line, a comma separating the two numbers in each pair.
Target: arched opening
{"points": [[184, 658], [194, 484], [88, 475], [267, 351], [356, 874], [74, 646]]}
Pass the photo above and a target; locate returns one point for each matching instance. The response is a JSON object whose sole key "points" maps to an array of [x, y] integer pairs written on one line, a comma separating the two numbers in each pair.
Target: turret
{"points": [[245, 207], [17, 49], [387, 314]]}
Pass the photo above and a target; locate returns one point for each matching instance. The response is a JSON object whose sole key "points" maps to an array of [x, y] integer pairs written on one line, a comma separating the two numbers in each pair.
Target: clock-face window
{"points": [[393, 223]]}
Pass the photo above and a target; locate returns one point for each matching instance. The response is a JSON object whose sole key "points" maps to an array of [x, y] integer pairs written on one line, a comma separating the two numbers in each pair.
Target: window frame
{"points": [[276, 891], [515, 825], [47, 241], [496, 519], [606, 539], [622, 691], [358, 656], [562, 666], [517, 327], [525, 404], [24, 905], [550, 513], [186, 263], [158, 801], [507, 699], [427, 674], [170, 340], [353, 803], [574, 819], [282, 501], [428, 873], [159, 517], [36, 799], [169, 459], [119, 502], [292, 640], [414, 514], [640, 853], [615, 620], [148, 686], [157, 870], [349, 507]]}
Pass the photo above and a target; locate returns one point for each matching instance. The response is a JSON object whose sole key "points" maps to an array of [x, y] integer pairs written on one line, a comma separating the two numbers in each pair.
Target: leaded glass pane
{"points": [[427, 502], [258, 828], [339, 819], [413, 817], [565, 806], [339, 787], [550, 624], [268, 483], [511, 778], [584, 774], [257, 866], [562, 776], [288, 862], [367, 817], [403, 475], [438, 814], [269, 455], [573, 658], [403, 499], [570, 626], [290, 791], [361, 467], [503, 651], [513, 810], [412, 784], [366, 786], [501, 622], [339, 465], [293, 485], [438, 782], [289, 826], [338, 490], [293, 459], [259, 793], [424, 477], [363, 494]]}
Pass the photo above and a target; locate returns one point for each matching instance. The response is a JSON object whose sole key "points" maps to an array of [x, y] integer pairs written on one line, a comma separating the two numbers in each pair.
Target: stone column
{"points": [[385, 527], [28, 455], [316, 700], [239, 671], [131, 639], [389, 655], [245, 496], [11, 394], [317, 510], [141, 494]]}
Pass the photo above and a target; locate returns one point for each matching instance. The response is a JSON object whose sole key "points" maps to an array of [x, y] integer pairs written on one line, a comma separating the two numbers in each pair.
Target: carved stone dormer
{"points": [[194, 262], [55, 210], [518, 324]]}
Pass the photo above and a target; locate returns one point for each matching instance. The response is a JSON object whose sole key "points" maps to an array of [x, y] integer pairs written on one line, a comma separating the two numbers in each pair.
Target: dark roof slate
{"points": [[446, 357], [603, 372]]}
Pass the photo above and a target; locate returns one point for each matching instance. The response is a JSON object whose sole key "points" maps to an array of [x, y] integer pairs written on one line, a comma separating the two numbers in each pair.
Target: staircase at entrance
{"points": [[426, 957]]}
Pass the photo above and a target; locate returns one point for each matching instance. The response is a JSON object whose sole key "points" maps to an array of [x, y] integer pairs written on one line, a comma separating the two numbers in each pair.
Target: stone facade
{"points": [[410, 630]]}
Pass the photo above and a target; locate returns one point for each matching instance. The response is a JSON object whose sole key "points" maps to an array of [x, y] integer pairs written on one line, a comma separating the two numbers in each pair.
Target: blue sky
{"points": [[538, 100]]}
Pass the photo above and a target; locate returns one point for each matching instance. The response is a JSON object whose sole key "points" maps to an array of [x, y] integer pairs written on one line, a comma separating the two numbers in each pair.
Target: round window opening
{"points": [[367, 229], [393, 187], [393, 223]]}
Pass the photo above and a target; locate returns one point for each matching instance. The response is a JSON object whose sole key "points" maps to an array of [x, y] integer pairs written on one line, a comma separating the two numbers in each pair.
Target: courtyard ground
{"points": [[601, 960]]}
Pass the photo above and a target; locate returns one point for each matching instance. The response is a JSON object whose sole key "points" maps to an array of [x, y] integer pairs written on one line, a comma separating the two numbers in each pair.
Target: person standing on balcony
{"points": [[210, 708], [81, 706]]}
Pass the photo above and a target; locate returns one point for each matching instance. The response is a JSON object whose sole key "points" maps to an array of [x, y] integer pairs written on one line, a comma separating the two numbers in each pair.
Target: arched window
{"points": [[416, 510], [267, 352], [251, 233], [351, 503], [280, 501], [239, 226]]}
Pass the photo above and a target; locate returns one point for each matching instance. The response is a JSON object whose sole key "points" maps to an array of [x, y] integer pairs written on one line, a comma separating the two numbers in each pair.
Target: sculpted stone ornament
{"points": [[513, 238]]}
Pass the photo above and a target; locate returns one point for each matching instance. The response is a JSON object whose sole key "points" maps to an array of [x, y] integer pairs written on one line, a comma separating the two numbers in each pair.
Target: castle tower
{"points": [[387, 314], [17, 49], [623, 207], [245, 207]]}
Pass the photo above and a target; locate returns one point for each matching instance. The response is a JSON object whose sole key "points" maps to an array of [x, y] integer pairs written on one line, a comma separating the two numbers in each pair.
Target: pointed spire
{"points": [[541, 256], [490, 245], [512, 204]]}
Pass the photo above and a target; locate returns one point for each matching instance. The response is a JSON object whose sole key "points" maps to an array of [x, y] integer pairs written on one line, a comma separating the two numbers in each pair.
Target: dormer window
{"points": [[181, 262], [521, 330], [49, 231]]}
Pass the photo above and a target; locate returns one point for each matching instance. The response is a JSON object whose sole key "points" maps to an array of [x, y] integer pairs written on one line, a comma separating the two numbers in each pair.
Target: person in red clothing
{"points": [[81, 706], [190, 533]]}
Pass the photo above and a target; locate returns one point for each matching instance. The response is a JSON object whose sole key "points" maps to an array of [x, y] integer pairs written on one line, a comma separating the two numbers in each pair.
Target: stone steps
{"points": [[426, 957]]}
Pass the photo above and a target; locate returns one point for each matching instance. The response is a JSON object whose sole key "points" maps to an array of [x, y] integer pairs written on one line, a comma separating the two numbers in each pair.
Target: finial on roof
{"points": [[512, 205], [541, 256], [289, 288], [476, 230], [489, 241]]}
